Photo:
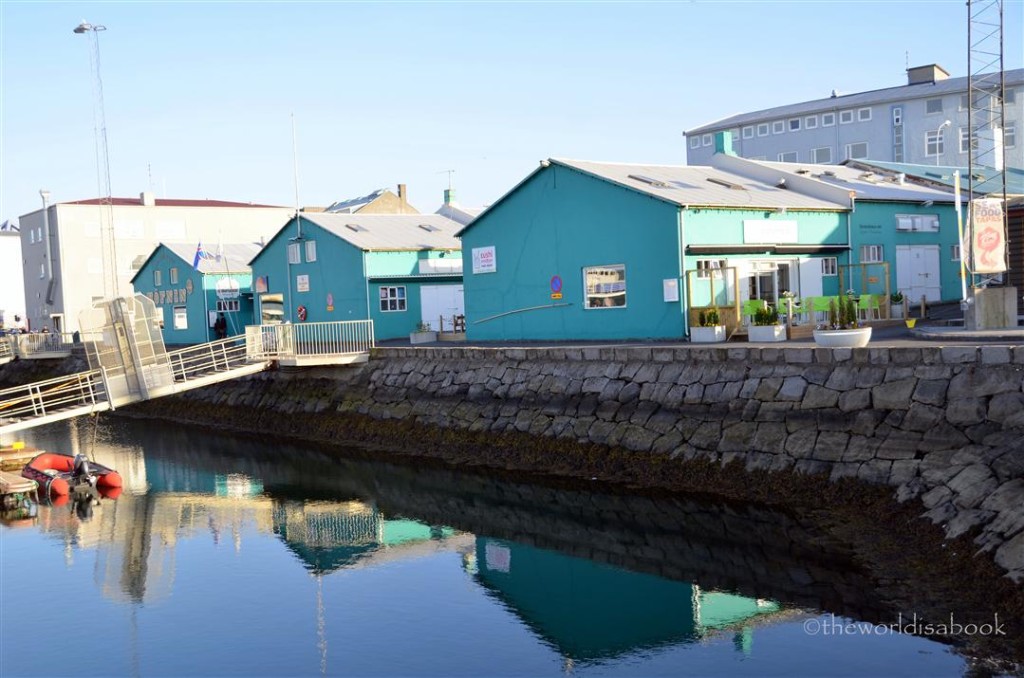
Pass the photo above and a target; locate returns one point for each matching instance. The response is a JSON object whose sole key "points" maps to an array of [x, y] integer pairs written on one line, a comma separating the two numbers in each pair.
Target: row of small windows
{"points": [[295, 252], [823, 155], [791, 125], [935, 140], [158, 277]]}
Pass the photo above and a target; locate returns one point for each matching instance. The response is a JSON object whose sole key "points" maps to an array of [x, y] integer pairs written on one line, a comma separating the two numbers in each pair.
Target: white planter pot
{"points": [[857, 338], [766, 333], [707, 335], [422, 337], [896, 310]]}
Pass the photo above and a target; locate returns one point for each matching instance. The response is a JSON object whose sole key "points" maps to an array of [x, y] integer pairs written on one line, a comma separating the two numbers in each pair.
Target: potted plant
{"points": [[709, 327], [896, 305], [842, 329], [766, 326], [422, 334]]}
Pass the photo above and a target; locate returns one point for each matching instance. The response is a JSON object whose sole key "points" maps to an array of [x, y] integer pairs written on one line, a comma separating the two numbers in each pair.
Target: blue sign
{"points": [[556, 283]]}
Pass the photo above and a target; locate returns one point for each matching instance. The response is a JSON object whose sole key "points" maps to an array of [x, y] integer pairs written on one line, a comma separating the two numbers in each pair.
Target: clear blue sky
{"points": [[387, 93]]}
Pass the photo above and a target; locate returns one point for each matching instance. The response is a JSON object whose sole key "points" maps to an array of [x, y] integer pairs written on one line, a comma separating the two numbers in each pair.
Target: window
{"points": [[694, 142], [158, 278], [954, 252], [822, 155], [180, 318], [604, 286], [310, 251], [762, 129], [42, 271], [828, 119], [966, 143], [934, 145], [1010, 96], [933, 106], [706, 265], [965, 102], [845, 117], [897, 115], [917, 222], [1010, 134], [31, 236], [392, 299], [39, 234], [227, 306], [871, 254], [706, 139], [735, 134], [293, 253], [829, 266], [858, 150], [778, 127], [811, 121], [863, 114], [787, 157], [174, 276], [748, 132], [794, 125]]}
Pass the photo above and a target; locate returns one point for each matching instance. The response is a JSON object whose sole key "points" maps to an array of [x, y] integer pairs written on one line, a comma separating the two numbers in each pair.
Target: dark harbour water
{"points": [[232, 557]]}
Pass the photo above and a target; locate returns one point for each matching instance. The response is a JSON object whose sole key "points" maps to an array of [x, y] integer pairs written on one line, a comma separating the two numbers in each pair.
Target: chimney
{"points": [[403, 196], [920, 75], [147, 198], [449, 196]]}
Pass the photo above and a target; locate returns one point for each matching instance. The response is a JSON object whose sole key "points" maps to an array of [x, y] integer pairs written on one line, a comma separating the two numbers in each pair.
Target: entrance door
{"points": [[917, 272], [437, 301], [769, 279]]}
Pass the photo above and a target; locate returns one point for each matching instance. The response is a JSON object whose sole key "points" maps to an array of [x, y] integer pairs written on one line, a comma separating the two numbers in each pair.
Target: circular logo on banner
{"points": [[227, 288], [556, 283]]}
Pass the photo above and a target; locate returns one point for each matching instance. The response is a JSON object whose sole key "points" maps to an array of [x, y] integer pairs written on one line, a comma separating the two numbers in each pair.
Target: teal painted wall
{"points": [[875, 224], [168, 295], [558, 222], [237, 320]]}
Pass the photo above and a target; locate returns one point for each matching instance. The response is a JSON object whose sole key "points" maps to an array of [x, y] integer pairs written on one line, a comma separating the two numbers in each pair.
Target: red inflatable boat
{"points": [[59, 474]]}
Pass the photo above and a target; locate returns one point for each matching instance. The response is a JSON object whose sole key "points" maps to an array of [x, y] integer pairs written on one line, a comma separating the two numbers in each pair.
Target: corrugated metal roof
{"points": [[987, 179], [225, 258], [456, 212], [353, 204], [165, 202], [687, 185], [867, 185], [926, 90], [391, 231]]}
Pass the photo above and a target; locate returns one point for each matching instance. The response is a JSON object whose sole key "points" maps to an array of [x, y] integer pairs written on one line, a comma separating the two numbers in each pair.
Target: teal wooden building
{"points": [[400, 270], [191, 285], [593, 251]]}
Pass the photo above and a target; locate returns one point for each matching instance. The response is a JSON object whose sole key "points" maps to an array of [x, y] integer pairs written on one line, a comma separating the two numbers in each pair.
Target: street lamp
{"points": [[938, 140]]}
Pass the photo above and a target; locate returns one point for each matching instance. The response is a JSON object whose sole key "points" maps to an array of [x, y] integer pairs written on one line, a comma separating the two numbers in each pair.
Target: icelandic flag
{"points": [[200, 254]]}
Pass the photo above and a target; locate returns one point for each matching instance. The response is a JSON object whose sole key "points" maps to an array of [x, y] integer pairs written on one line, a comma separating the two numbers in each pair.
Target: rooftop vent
{"points": [[727, 184], [429, 228], [657, 183], [355, 228]]}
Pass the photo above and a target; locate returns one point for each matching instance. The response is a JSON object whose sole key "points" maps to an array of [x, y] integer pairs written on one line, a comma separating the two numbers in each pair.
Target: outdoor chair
{"points": [[868, 307]]}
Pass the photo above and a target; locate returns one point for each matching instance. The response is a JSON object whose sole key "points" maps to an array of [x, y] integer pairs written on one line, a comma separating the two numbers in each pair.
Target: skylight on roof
{"points": [[355, 227], [657, 183], [727, 184], [429, 228]]}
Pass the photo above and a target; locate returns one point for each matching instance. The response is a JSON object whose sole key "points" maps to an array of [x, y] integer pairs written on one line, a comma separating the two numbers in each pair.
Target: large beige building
{"points": [[65, 248]]}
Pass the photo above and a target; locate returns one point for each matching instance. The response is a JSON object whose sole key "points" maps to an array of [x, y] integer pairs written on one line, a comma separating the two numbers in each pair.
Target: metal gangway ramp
{"points": [[129, 363]]}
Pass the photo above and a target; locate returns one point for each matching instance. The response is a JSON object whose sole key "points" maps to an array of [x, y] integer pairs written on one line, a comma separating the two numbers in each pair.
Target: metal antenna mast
{"points": [[111, 286]]}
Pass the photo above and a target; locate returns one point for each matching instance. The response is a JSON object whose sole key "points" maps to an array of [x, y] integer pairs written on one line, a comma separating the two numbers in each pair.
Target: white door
{"points": [[437, 301], [917, 272]]}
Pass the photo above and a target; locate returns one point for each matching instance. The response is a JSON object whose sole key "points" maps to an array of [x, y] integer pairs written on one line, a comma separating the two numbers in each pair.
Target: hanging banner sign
{"points": [[988, 239], [227, 288]]}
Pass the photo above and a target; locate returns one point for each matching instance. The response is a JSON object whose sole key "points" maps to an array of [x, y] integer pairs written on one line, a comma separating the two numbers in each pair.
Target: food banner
{"points": [[988, 238]]}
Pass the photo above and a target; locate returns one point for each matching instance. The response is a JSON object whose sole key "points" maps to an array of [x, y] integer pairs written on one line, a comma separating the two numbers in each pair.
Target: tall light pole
{"points": [[48, 255], [938, 140], [111, 287]]}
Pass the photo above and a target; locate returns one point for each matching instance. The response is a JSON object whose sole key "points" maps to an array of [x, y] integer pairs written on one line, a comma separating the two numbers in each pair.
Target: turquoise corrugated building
{"points": [[190, 285], [400, 270]]}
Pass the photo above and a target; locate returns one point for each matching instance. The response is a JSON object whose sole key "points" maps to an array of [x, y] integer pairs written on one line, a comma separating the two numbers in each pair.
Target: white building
{"points": [[64, 267], [922, 122], [12, 288]]}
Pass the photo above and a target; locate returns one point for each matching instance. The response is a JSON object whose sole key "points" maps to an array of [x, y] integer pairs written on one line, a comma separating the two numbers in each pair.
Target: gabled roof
{"points": [[226, 258], [987, 179], [866, 185], [166, 202], [457, 212], [902, 93], [390, 231], [353, 204]]}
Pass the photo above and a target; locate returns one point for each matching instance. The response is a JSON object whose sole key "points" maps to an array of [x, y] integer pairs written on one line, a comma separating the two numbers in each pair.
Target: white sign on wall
{"points": [[769, 231], [227, 288], [670, 289], [302, 283], [484, 260]]}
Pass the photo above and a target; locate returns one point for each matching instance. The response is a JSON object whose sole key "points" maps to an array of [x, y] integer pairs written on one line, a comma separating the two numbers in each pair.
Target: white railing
{"points": [[30, 345], [273, 342], [6, 348], [203, 359], [53, 395]]}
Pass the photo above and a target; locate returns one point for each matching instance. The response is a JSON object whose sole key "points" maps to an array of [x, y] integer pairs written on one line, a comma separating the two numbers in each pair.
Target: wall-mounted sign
{"points": [[261, 284], [670, 289], [330, 302], [556, 295], [484, 260], [556, 283], [227, 288], [302, 283], [769, 231]]}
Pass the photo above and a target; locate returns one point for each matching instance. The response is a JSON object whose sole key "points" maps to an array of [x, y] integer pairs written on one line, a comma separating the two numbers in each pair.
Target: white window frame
{"points": [[846, 117], [705, 266], [954, 252], [390, 293], [595, 295], [778, 127], [310, 251], [158, 278], [180, 315], [294, 254], [849, 147], [748, 132], [897, 115], [228, 305], [863, 115], [814, 155], [794, 124], [811, 122], [928, 106], [706, 140], [173, 275], [829, 267], [695, 142], [934, 143], [763, 129], [872, 254], [42, 271], [1010, 134], [965, 102], [735, 134], [828, 119], [783, 158], [917, 223]]}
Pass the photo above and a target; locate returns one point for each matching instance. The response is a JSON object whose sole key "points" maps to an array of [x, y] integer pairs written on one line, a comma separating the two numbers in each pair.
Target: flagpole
{"points": [[960, 232]]}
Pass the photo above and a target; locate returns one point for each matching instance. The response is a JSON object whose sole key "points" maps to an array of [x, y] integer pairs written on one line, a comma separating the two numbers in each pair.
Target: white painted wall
{"points": [[12, 285]]}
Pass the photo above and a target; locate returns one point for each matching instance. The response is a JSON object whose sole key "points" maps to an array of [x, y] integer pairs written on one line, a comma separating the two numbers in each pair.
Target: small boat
{"points": [[60, 474]]}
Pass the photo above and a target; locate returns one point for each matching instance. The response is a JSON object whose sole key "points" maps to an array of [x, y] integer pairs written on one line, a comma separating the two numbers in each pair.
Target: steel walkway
{"points": [[73, 395]]}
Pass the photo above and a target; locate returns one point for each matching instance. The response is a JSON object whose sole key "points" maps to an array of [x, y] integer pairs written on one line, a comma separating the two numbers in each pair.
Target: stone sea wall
{"points": [[943, 425]]}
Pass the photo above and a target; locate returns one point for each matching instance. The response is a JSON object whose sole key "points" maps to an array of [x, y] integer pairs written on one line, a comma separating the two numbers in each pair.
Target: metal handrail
{"points": [[27, 345], [6, 348], [203, 359], [343, 337], [45, 397]]}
